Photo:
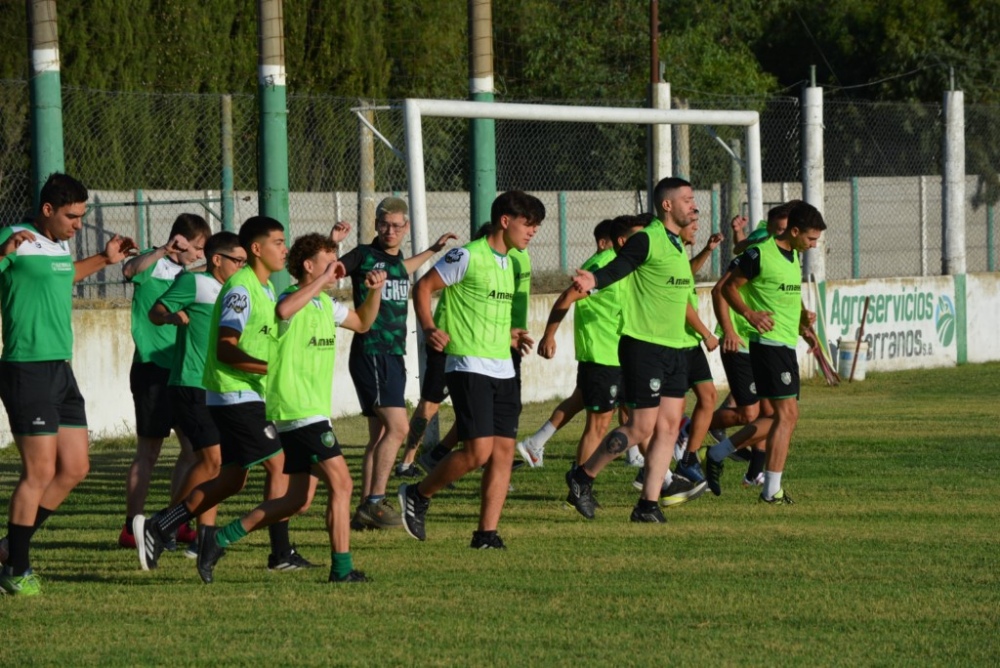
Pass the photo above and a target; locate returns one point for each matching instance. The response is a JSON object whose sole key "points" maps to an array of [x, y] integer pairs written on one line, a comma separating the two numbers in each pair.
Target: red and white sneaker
{"points": [[125, 539]]}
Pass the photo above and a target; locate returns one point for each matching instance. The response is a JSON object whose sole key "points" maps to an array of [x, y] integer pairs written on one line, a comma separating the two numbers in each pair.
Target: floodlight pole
{"points": [[272, 138], [47, 154], [482, 131]]}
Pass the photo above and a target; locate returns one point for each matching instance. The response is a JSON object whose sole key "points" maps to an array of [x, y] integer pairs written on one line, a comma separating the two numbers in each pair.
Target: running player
{"points": [[188, 305], [735, 333], [478, 280], [37, 386], [299, 396], [773, 307], [152, 273], [655, 307], [376, 363]]}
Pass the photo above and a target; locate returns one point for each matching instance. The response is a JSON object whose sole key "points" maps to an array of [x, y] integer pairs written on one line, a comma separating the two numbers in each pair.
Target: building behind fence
{"points": [[148, 157]]}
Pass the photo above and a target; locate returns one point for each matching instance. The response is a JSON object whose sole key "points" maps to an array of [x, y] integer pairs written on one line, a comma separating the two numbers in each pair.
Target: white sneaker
{"points": [[533, 456], [634, 458]]}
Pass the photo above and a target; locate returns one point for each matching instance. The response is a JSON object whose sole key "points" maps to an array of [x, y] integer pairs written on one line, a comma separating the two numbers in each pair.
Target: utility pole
{"points": [[660, 163], [483, 187], [47, 154], [272, 138]]}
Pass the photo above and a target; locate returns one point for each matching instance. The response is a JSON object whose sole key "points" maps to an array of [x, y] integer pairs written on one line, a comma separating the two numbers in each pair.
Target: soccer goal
{"points": [[414, 111]]}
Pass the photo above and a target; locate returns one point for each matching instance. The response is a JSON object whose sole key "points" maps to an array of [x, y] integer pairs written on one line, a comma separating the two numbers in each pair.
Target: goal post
{"points": [[414, 111]]}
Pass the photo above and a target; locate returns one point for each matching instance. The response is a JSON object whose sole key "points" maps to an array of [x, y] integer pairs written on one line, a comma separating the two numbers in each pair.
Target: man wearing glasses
{"points": [[188, 305], [376, 362]]}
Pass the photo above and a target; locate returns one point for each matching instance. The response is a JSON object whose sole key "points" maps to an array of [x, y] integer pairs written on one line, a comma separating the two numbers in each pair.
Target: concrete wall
{"points": [[911, 323]]}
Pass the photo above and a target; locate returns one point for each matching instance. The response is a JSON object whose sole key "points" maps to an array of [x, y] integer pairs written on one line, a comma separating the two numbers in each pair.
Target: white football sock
{"points": [[772, 483]]}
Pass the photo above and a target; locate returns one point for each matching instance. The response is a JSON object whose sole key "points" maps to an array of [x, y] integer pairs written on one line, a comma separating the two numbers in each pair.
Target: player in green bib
{"points": [[742, 407], [37, 386], [188, 304], [478, 280], [376, 364], [299, 399], [595, 337], [152, 273], [699, 374], [772, 303], [235, 379], [655, 308]]}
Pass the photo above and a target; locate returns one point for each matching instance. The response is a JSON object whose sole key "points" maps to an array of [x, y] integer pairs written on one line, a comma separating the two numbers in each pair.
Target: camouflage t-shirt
{"points": [[387, 335]]}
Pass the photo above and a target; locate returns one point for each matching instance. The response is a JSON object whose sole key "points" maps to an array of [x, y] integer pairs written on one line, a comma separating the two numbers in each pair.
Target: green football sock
{"points": [[342, 564], [230, 533]]}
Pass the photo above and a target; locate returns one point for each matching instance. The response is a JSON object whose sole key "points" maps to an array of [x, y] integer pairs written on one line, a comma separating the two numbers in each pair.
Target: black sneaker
{"points": [[640, 478], [779, 499], [713, 475], [288, 561], [680, 490], [581, 495], [406, 471], [149, 541], [486, 540], [353, 576], [653, 516], [414, 511], [209, 553]]}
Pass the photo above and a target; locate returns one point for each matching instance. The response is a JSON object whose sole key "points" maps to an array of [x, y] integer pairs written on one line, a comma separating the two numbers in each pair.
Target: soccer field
{"points": [[889, 556]]}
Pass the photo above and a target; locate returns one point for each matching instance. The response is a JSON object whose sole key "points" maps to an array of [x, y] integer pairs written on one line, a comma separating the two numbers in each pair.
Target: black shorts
{"points": [[434, 388], [651, 371], [484, 406], [379, 380], [698, 369], [40, 397], [598, 384], [192, 417], [775, 370], [309, 445], [154, 416], [739, 373], [245, 434]]}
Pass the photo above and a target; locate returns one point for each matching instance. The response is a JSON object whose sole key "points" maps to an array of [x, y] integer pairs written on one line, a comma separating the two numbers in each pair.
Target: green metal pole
{"points": [[855, 229], [47, 155], [563, 234], [228, 208], [990, 240], [272, 140], [140, 220], [482, 131], [716, 225]]}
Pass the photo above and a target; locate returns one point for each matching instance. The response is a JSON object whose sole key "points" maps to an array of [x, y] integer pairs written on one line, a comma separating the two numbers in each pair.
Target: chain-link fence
{"points": [[148, 157]]}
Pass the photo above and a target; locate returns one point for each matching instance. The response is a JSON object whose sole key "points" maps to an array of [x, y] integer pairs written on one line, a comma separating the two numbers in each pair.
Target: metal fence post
{"points": [[228, 208], [716, 226], [990, 240], [142, 239], [855, 229], [563, 235], [366, 179], [47, 154]]}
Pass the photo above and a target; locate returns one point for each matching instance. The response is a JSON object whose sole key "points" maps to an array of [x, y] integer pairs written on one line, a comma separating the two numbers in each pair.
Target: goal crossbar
{"points": [[414, 110]]}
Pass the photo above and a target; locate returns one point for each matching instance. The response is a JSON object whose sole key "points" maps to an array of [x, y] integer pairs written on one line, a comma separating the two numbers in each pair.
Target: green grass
{"points": [[889, 557]]}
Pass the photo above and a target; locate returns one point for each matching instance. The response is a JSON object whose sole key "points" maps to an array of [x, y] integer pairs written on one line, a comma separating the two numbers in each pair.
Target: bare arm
{"points": [[731, 342], [229, 353], [159, 315], [547, 346], [116, 250], [361, 320], [296, 301], [694, 320], [141, 263], [422, 291], [760, 320], [699, 260], [413, 263]]}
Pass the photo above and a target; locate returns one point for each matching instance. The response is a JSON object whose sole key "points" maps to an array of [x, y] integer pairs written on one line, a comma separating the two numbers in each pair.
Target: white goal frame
{"points": [[414, 111]]}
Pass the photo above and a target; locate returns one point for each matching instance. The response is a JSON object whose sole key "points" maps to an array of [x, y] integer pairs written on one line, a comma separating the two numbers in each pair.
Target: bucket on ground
{"points": [[845, 359]]}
